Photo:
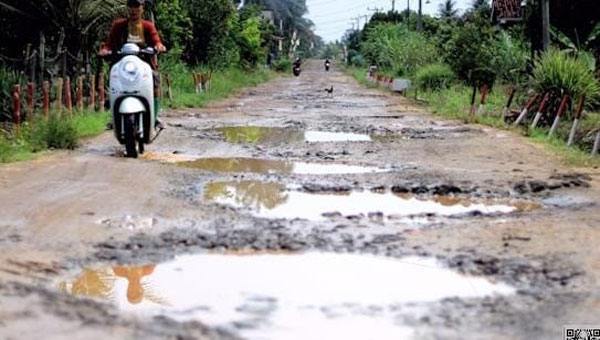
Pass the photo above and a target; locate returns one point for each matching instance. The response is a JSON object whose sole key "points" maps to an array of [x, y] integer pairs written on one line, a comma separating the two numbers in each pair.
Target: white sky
{"points": [[333, 17]]}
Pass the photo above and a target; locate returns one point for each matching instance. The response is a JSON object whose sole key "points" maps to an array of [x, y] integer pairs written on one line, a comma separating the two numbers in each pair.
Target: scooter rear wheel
{"points": [[130, 149]]}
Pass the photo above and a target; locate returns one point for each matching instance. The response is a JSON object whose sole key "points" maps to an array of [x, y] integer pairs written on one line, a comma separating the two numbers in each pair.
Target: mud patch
{"points": [[272, 200], [273, 296]]}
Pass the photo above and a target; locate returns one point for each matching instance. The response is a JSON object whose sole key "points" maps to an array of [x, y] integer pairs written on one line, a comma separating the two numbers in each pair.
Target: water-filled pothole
{"points": [[268, 166], [278, 135], [284, 297], [272, 200]]}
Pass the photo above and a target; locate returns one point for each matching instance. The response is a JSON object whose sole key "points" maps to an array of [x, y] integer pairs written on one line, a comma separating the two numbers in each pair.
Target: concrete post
{"points": [[561, 110]]}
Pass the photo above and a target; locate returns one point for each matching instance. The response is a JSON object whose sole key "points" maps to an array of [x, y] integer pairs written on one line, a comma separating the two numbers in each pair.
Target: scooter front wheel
{"points": [[129, 127]]}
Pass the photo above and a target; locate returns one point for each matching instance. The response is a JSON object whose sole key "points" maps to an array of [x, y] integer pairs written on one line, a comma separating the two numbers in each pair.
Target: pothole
{"points": [[284, 297], [277, 135], [268, 166], [273, 200]]}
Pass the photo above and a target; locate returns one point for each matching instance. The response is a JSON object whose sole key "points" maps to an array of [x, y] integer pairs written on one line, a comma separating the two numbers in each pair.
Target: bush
{"points": [[358, 61], [510, 59], [282, 65], [8, 78], [470, 53], [556, 73], [393, 47], [434, 77], [56, 133]]}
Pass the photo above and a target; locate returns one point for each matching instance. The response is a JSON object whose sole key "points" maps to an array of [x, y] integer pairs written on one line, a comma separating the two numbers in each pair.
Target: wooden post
{"points": [[59, 94], [526, 109], [596, 144], [472, 111], [92, 93], [484, 93], [541, 110], [169, 92], [46, 89], [68, 97], [16, 97], [576, 119], [30, 100], [80, 93], [561, 110], [101, 97], [511, 96]]}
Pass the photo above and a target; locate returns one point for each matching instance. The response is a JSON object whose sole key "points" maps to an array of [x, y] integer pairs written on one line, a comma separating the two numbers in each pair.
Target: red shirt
{"points": [[119, 35]]}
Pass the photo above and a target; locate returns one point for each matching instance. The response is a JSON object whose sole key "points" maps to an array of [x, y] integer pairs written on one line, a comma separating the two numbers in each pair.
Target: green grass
{"points": [[454, 103], [62, 132], [224, 84]]}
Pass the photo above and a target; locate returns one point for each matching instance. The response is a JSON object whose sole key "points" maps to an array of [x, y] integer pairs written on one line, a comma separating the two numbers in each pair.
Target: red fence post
{"points": [[46, 89], [561, 110], [576, 119], [17, 105], [80, 93], [92, 97], [527, 108], [541, 110], [68, 97], [511, 96], [101, 97], [484, 93], [30, 100]]}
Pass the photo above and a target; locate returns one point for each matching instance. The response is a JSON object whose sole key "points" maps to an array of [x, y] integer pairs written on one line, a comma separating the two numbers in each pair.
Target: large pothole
{"points": [[284, 296]]}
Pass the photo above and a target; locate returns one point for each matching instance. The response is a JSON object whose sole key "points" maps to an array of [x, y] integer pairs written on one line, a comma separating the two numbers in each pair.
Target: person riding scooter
{"points": [[134, 29], [327, 64], [296, 66]]}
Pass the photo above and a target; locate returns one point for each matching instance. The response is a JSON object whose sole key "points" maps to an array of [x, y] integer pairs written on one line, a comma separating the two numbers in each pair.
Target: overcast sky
{"points": [[333, 17]]}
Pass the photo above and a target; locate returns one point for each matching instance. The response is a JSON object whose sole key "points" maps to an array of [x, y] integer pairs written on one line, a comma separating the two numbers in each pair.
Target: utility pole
{"points": [[393, 5], [407, 13], [357, 22], [420, 20], [546, 23]]}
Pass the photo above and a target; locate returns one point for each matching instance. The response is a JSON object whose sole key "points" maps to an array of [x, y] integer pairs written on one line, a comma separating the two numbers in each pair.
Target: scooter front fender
{"points": [[131, 105]]}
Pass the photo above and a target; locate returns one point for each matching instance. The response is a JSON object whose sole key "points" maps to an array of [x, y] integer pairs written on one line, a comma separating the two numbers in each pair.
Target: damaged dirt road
{"points": [[289, 213]]}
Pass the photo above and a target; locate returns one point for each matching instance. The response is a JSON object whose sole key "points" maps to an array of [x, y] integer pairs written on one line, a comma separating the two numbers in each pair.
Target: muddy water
{"points": [[275, 135], [271, 200], [267, 166], [276, 296]]}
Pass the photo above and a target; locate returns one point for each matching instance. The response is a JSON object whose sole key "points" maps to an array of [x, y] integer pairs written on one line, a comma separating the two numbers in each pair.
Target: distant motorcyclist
{"points": [[134, 29], [296, 66], [327, 64]]}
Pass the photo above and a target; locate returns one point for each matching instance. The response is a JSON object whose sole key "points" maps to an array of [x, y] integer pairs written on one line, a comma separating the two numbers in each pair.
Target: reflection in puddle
{"points": [[275, 135], [266, 166], [271, 200], [275, 297]]}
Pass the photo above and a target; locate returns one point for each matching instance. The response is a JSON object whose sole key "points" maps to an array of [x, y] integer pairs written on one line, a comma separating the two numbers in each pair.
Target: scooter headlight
{"points": [[130, 71]]}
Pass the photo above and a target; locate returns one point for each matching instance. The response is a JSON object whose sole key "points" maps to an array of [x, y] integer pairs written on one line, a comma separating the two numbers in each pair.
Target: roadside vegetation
{"points": [[453, 55], [232, 40]]}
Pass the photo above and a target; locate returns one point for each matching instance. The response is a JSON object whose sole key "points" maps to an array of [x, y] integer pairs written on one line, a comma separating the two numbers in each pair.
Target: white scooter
{"points": [[132, 99]]}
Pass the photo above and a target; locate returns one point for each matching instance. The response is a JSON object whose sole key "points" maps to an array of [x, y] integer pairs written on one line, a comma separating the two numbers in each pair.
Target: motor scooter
{"points": [[327, 65], [296, 70], [132, 98]]}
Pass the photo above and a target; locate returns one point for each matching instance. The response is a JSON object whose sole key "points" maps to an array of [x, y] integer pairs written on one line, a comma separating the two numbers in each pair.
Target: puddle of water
{"points": [[271, 200], [284, 297], [276, 135], [266, 166], [320, 136]]}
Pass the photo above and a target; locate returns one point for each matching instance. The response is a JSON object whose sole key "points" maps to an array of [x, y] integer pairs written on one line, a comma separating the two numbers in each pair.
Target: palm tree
{"points": [[70, 25], [447, 10]]}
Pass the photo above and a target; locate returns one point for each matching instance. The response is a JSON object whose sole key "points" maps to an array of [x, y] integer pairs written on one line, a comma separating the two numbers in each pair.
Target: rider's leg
{"points": [[158, 124]]}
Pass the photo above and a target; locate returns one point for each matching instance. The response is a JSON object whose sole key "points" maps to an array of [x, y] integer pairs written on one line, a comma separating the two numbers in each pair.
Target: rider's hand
{"points": [[104, 52], [160, 48]]}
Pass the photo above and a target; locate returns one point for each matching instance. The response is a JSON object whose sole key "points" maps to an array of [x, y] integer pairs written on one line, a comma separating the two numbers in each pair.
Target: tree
{"points": [[447, 10]]}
